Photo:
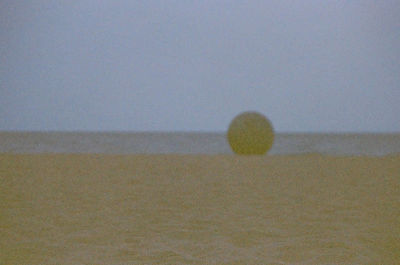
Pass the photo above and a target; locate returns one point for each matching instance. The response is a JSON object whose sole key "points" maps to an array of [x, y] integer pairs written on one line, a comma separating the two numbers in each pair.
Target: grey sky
{"points": [[310, 66]]}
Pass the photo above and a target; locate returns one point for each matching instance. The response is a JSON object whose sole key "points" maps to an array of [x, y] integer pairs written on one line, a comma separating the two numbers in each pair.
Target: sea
{"points": [[193, 143], [95, 208]]}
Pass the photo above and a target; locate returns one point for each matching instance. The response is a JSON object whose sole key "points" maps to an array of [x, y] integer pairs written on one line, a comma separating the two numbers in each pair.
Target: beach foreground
{"points": [[199, 209]]}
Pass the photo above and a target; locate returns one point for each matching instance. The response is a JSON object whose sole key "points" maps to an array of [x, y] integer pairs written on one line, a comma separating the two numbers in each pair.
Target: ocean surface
{"points": [[144, 198], [192, 143], [199, 209]]}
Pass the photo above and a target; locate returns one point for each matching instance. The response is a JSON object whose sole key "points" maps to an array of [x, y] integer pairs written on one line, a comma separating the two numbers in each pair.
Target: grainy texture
{"points": [[199, 209]]}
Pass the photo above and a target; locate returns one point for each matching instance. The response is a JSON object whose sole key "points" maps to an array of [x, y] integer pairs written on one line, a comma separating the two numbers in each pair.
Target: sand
{"points": [[199, 209]]}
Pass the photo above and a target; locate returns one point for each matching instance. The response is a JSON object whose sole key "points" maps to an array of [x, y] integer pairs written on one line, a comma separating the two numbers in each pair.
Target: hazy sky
{"points": [[310, 66]]}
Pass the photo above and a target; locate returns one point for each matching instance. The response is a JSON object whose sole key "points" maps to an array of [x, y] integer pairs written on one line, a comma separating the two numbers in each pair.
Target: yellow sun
{"points": [[250, 133]]}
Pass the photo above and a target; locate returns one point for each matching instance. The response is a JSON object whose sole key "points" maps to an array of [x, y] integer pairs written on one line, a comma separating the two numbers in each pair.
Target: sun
{"points": [[250, 133]]}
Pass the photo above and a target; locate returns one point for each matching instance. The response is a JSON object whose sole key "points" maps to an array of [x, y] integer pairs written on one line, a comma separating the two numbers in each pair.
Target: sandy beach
{"points": [[199, 209]]}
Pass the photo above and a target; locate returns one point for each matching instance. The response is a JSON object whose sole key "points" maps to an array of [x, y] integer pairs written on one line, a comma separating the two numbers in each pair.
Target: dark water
{"points": [[192, 143]]}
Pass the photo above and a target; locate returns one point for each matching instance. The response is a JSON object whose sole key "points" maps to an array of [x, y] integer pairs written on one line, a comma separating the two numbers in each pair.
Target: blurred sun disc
{"points": [[250, 133]]}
